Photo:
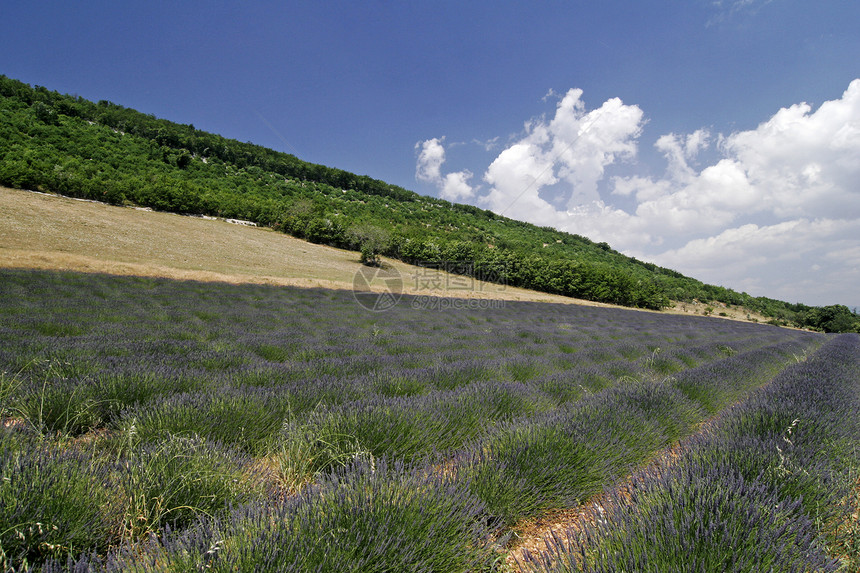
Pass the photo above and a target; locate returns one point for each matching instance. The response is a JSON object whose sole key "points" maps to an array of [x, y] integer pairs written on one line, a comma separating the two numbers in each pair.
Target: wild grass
{"points": [[177, 480], [9, 385], [844, 531], [305, 449], [245, 419], [55, 502], [366, 517]]}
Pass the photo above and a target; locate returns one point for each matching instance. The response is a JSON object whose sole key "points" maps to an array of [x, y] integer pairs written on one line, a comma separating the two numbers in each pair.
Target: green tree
{"points": [[183, 160], [370, 241]]}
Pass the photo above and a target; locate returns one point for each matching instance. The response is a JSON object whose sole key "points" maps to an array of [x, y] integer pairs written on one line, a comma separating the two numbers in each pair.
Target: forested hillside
{"points": [[104, 151]]}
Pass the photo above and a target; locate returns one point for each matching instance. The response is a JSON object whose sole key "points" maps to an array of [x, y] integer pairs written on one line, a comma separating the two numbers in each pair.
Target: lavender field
{"points": [[156, 425]]}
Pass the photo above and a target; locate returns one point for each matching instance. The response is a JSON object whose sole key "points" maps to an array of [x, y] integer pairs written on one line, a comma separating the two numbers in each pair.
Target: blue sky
{"points": [[719, 138]]}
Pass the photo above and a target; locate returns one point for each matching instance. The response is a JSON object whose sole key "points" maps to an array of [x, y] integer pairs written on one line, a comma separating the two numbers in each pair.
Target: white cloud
{"points": [[803, 163], [575, 147], [679, 151], [778, 214], [798, 171], [455, 186], [814, 261], [431, 156], [797, 164], [584, 144]]}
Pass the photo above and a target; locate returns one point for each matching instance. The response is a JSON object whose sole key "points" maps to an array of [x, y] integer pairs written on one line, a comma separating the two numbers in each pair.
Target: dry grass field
{"points": [[43, 231]]}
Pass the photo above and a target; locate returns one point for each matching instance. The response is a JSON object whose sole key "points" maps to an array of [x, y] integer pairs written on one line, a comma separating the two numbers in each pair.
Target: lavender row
{"points": [[368, 517], [761, 491], [395, 413], [559, 459], [59, 500], [90, 348], [383, 516], [164, 323]]}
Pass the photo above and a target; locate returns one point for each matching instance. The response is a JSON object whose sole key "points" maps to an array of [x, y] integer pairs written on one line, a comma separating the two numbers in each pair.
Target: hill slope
{"points": [[103, 151], [51, 232]]}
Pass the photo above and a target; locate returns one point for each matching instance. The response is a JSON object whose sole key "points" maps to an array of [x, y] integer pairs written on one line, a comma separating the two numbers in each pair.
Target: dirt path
{"points": [[534, 533]]}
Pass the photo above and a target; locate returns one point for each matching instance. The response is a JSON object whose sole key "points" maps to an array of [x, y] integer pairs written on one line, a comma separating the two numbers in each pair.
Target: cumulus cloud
{"points": [[789, 260], [574, 147], [797, 171], [431, 156], [777, 214], [455, 186], [516, 176], [680, 150], [799, 163], [803, 162]]}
